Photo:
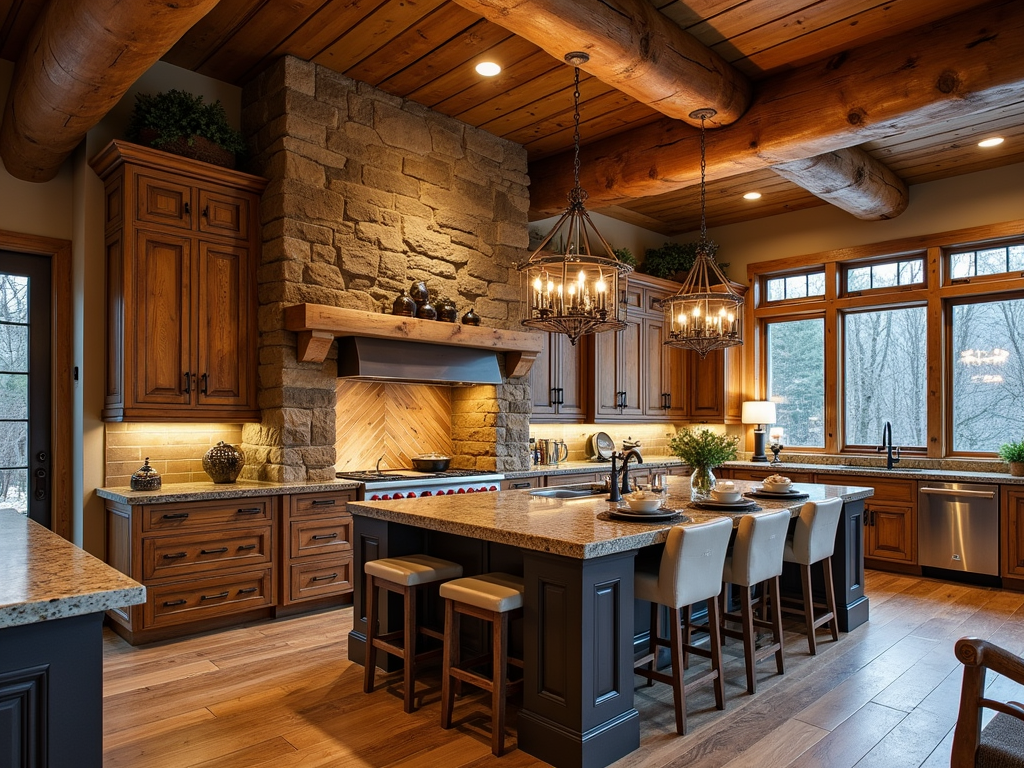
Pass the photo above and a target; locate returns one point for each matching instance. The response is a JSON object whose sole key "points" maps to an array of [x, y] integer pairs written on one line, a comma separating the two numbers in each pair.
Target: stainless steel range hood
{"points": [[366, 359]]}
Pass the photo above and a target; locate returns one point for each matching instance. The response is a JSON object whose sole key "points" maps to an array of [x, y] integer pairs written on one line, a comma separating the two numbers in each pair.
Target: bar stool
{"points": [[688, 573], [404, 575], [493, 597], [756, 558], [814, 540]]}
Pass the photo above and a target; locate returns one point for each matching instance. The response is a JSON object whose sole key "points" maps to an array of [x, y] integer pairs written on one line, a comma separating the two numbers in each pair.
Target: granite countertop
{"points": [[900, 471], [209, 491], [578, 528], [45, 577]]}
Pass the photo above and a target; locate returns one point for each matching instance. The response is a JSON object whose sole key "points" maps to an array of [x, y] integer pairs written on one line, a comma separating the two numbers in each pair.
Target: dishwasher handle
{"points": [[952, 492]]}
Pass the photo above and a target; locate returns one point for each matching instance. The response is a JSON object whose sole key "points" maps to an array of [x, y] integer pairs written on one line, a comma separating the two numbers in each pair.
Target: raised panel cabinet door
{"points": [[224, 333], [224, 213], [707, 386], [605, 371], [1013, 525], [162, 200], [567, 376], [889, 533], [631, 356], [665, 372], [542, 397], [161, 347]]}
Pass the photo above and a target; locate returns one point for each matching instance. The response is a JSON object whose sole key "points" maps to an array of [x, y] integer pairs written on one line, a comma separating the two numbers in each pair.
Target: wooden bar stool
{"points": [[814, 540], [756, 558], [493, 597], [404, 575], [689, 572]]}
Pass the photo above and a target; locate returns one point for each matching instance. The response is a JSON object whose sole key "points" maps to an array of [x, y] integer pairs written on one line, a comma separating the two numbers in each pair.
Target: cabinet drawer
{"points": [[318, 504], [206, 598], [202, 552], [207, 514], [521, 483], [320, 578], [320, 537], [222, 213], [163, 201], [761, 474], [589, 477], [886, 489]]}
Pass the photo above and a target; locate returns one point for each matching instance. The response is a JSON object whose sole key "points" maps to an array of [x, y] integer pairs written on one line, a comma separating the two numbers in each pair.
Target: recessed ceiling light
{"points": [[752, 196], [487, 68], [995, 141]]}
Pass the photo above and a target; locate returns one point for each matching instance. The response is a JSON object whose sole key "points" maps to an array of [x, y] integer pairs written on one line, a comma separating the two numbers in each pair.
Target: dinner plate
{"points": [[792, 493], [727, 506], [647, 517]]}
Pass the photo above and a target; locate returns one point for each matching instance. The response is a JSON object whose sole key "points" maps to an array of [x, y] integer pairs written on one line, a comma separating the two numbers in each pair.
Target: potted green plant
{"points": [[1013, 454], [183, 124], [673, 260], [703, 450]]}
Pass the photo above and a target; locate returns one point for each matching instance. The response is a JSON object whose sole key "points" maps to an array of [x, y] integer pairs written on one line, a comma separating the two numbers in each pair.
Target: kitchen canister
{"points": [[145, 478], [223, 463]]}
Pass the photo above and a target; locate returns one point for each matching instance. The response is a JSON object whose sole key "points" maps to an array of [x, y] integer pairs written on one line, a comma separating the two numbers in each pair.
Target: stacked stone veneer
{"points": [[369, 192]]}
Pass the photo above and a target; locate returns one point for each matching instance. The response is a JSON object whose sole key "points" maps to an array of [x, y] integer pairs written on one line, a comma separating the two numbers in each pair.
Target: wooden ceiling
{"points": [[425, 50]]}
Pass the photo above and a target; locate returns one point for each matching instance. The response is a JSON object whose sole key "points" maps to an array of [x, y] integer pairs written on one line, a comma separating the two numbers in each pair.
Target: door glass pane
{"points": [[988, 375], [13, 444], [13, 396], [14, 489], [13, 299], [796, 380], [884, 376], [13, 347]]}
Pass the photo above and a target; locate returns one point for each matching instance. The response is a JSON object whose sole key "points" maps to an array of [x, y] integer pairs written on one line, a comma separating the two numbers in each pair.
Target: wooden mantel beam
{"points": [[632, 47], [80, 59], [940, 71]]}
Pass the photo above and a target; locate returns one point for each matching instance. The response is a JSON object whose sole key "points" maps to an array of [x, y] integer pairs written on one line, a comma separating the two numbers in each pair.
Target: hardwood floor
{"points": [[283, 694]]}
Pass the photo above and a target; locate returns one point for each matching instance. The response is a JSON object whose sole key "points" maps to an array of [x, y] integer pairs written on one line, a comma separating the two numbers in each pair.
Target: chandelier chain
{"points": [[703, 188]]}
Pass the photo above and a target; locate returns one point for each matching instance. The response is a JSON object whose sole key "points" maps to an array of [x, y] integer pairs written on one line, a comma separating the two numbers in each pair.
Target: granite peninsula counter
{"points": [[581, 625], [52, 599]]}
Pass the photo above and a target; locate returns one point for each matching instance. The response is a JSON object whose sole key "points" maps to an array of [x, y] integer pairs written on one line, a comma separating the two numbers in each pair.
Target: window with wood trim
{"points": [[800, 286], [965, 264], [897, 273], [795, 352]]}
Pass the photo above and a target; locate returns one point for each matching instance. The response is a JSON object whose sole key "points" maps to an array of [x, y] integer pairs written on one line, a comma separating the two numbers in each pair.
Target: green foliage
{"points": [[1012, 451], [673, 258], [625, 256], [702, 448], [176, 114]]}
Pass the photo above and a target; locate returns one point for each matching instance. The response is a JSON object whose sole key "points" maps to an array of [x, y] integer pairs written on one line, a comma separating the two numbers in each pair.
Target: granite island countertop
{"points": [[173, 493], [45, 577], [578, 528]]}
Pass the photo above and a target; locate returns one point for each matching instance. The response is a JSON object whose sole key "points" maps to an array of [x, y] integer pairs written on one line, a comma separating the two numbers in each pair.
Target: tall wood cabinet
{"points": [[556, 381], [182, 243]]}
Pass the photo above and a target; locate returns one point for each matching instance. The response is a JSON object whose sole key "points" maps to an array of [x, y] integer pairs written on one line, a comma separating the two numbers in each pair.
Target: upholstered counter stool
{"points": [[493, 597], [404, 575], [814, 540], [690, 571], [757, 558]]}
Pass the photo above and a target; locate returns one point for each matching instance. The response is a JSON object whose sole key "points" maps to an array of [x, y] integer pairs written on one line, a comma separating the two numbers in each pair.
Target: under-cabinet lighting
{"points": [[488, 68], [993, 141], [752, 196]]}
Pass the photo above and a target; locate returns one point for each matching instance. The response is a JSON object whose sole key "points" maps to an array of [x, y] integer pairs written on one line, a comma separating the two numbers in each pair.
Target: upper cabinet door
{"points": [[224, 336], [568, 377], [707, 386], [161, 199], [222, 213]]}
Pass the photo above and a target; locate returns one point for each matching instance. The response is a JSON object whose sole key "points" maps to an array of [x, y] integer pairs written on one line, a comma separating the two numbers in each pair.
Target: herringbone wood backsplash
{"points": [[396, 421]]}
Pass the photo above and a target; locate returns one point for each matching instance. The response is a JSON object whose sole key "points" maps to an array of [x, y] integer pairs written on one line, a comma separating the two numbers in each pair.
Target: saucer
{"points": [[758, 492], [647, 517], [744, 505]]}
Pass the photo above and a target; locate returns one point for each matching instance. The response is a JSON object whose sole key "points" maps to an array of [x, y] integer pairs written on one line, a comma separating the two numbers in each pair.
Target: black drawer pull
{"points": [[324, 502], [214, 597], [219, 551], [517, 486], [246, 591], [250, 510], [169, 603], [176, 556], [328, 577], [176, 516], [320, 536], [246, 546]]}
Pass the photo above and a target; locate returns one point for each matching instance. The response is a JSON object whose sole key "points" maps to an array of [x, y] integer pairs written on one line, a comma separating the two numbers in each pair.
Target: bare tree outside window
{"points": [[884, 376], [796, 380], [988, 375], [14, 392]]}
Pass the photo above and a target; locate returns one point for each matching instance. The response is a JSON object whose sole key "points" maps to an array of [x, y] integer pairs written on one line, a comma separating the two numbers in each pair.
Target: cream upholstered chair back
{"points": [[814, 537], [757, 551], [691, 566]]}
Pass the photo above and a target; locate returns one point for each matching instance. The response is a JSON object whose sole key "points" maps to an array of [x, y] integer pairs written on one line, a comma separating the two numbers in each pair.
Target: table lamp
{"points": [[759, 412]]}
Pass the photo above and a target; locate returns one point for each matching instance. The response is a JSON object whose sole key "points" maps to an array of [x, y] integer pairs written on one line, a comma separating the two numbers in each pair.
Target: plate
{"points": [[746, 505], [792, 493], [600, 446], [647, 517]]}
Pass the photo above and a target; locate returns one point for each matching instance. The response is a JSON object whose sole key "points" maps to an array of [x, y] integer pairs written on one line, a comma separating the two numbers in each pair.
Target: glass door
{"points": [[25, 334]]}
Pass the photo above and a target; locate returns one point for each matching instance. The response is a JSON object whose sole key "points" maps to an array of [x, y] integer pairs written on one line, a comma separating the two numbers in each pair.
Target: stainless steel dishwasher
{"points": [[958, 527]]}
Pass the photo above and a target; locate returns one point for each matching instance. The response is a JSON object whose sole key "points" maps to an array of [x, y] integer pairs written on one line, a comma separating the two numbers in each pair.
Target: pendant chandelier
{"points": [[706, 313], [575, 289]]}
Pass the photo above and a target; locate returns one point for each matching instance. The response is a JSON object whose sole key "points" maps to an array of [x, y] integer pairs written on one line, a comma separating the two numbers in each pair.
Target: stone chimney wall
{"points": [[369, 192]]}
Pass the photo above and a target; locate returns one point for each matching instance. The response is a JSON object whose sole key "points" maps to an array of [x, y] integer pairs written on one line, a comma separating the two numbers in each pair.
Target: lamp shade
{"points": [[758, 412]]}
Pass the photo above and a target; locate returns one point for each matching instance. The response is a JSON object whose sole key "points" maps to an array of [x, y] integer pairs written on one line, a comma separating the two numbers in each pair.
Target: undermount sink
{"points": [[563, 493]]}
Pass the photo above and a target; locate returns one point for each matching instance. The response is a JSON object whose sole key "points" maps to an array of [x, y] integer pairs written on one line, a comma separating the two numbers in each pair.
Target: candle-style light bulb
{"points": [[537, 284]]}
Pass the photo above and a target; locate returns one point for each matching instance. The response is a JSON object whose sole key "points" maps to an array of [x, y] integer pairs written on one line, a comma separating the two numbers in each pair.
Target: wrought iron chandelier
{"points": [[707, 312], [574, 291]]}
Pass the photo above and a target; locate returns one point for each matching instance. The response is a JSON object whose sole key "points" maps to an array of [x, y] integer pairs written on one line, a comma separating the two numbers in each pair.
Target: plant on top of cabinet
{"points": [[182, 124], [673, 259]]}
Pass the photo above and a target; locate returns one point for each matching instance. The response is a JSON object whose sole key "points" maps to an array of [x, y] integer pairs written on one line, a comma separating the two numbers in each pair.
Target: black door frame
{"points": [[62, 363]]}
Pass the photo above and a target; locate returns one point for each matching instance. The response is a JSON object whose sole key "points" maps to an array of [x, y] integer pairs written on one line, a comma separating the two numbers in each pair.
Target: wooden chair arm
{"points": [[974, 652]]}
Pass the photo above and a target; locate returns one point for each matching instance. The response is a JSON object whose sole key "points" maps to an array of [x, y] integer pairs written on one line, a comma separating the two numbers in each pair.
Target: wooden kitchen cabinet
{"points": [[618, 370], [522, 483], [1011, 516], [556, 381], [316, 546], [890, 519], [181, 244]]}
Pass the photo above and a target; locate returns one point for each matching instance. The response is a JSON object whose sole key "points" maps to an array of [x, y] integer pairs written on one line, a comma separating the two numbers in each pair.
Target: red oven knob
{"points": [[375, 497], [425, 493], [385, 497], [461, 490], [493, 488], [411, 495], [449, 492], [397, 496], [483, 489], [469, 490]]}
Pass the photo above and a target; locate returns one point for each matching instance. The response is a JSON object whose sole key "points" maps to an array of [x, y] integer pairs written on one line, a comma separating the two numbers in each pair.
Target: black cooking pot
{"points": [[432, 462]]}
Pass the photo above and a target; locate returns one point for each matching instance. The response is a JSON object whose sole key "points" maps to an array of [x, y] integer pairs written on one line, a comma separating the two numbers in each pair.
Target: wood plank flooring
{"points": [[282, 694]]}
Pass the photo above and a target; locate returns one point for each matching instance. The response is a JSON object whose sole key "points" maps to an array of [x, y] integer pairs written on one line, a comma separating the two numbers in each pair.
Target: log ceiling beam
{"points": [[937, 72], [82, 56], [633, 48]]}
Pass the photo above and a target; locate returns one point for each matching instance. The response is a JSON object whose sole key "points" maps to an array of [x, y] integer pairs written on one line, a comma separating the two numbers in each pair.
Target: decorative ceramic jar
{"points": [[447, 312], [223, 463], [419, 292], [146, 478], [426, 311], [471, 318], [404, 306]]}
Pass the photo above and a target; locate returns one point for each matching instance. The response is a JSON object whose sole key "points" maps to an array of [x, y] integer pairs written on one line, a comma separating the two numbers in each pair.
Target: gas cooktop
{"points": [[412, 474]]}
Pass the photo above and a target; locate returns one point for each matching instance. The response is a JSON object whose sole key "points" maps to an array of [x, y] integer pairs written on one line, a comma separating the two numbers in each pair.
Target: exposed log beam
{"points": [[940, 71], [80, 59], [632, 47], [850, 179]]}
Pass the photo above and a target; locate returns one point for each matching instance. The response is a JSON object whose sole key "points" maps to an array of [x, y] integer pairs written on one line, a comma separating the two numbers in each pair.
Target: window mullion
{"points": [[833, 395], [938, 416]]}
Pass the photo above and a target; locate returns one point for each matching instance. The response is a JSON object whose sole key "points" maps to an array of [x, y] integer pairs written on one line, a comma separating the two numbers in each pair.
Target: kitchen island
{"points": [[579, 635], [52, 599]]}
